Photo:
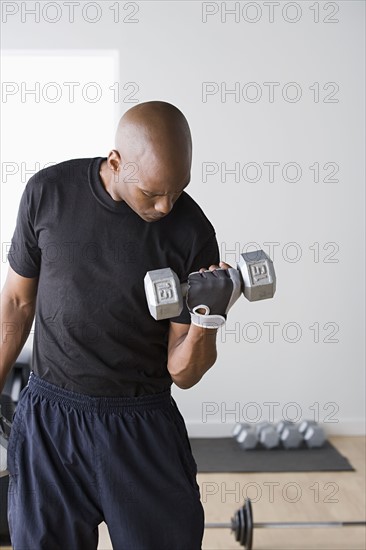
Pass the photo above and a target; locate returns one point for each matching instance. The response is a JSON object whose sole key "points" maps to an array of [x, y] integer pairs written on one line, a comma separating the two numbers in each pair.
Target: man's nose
{"points": [[163, 205]]}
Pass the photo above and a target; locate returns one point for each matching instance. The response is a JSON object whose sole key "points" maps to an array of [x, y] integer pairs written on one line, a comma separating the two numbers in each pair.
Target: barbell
{"points": [[242, 525]]}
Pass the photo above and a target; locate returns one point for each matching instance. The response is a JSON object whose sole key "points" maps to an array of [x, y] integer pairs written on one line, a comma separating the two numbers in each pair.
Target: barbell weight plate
{"points": [[248, 523], [242, 525], [243, 532], [236, 525]]}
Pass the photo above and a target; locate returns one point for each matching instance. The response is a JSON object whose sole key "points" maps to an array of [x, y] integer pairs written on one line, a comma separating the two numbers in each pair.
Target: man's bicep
{"points": [[22, 290], [24, 254]]}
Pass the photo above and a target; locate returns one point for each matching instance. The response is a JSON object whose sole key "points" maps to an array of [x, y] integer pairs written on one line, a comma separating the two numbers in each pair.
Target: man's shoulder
{"points": [[67, 170]]}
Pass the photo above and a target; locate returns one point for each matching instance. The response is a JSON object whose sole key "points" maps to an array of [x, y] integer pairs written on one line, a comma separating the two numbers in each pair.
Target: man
{"points": [[96, 435]]}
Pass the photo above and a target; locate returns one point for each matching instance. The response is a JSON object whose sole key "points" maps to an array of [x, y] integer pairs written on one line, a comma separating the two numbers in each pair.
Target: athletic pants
{"points": [[76, 460]]}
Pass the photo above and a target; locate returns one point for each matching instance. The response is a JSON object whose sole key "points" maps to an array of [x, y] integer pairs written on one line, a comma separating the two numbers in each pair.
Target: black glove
{"points": [[211, 294]]}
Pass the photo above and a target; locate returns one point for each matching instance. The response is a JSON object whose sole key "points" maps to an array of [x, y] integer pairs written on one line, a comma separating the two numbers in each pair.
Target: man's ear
{"points": [[114, 160]]}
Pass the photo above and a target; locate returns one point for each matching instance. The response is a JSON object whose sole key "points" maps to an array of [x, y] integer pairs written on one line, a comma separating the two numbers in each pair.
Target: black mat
{"points": [[225, 455]]}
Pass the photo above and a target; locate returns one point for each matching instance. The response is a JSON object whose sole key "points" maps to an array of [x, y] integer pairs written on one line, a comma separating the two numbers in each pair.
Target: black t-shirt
{"points": [[93, 331]]}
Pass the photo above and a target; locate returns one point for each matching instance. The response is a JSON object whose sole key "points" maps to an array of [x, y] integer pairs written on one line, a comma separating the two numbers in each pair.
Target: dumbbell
{"points": [[312, 433], [164, 292], [245, 435], [290, 436], [267, 435], [293, 435]]}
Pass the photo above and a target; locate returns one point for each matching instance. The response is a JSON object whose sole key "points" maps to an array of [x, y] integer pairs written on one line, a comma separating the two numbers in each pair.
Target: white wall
{"points": [[38, 132], [316, 227]]}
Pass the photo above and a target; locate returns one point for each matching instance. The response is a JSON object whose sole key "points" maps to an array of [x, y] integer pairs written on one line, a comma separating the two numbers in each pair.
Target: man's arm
{"points": [[191, 353], [191, 349], [18, 303]]}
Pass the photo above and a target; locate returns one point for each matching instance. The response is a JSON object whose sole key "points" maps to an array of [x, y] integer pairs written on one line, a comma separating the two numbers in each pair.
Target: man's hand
{"points": [[222, 265], [211, 293]]}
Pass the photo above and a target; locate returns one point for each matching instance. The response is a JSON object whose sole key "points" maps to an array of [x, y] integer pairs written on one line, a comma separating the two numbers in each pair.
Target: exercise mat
{"points": [[225, 455]]}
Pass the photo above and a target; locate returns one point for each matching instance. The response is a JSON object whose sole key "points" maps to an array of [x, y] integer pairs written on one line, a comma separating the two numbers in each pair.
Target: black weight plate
{"points": [[242, 526], [248, 521], [235, 525]]}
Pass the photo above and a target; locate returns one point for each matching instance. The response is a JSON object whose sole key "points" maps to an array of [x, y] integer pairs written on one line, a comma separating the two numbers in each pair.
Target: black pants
{"points": [[76, 460]]}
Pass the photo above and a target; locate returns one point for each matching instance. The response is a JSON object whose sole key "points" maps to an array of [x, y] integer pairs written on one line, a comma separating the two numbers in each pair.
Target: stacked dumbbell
{"points": [[285, 434]]}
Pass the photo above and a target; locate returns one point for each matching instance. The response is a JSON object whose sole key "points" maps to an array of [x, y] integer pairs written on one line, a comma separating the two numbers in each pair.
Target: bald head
{"points": [[151, 163], [156, 130]]}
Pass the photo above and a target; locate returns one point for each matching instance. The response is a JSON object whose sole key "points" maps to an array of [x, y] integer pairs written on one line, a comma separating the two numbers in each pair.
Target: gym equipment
{"points": [[242, 525], [7, 409], [290, 436], [267, 435], [164, 292], [5, 427], [285, 433], [18, 376], [282, 425], [238, 428], [259, 279], [305, 424], [247, 437], [314, 436], [261, 425], [16, 380]]}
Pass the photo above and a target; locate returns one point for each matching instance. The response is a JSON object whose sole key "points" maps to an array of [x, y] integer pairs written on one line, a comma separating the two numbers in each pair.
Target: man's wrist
{"points": [[208, 321]]}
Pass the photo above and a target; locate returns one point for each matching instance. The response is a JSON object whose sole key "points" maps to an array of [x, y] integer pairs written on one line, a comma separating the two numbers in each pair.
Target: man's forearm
{"points": [[16, 322], [193, 356]]}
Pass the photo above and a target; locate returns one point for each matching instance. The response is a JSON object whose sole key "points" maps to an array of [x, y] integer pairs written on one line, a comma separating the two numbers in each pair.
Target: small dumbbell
{"points": [[305, 424], [290, 436], [237, 429], [260, 426], [267, 435], [282, 424], [246, 436], [313, 434], [164, 292]]}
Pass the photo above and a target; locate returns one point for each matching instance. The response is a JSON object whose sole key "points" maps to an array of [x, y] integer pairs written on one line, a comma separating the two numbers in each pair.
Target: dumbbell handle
{"points": [[258, 279], [184, 289]]}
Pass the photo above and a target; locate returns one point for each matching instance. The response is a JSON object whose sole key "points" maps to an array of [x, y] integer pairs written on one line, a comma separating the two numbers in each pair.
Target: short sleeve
{"points": [[208, 255], [24, 254]]}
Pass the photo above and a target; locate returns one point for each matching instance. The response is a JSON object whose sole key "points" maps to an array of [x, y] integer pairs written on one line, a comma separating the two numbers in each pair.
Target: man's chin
{"points": [[151, 219]]}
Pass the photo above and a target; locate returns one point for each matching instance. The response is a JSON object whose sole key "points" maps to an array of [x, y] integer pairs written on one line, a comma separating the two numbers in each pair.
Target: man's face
{"points": [[151, 189], [150, 205]]}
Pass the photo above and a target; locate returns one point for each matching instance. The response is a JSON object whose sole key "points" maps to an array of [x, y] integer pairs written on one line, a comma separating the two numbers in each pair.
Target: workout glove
{"points": [[211, 294]]}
